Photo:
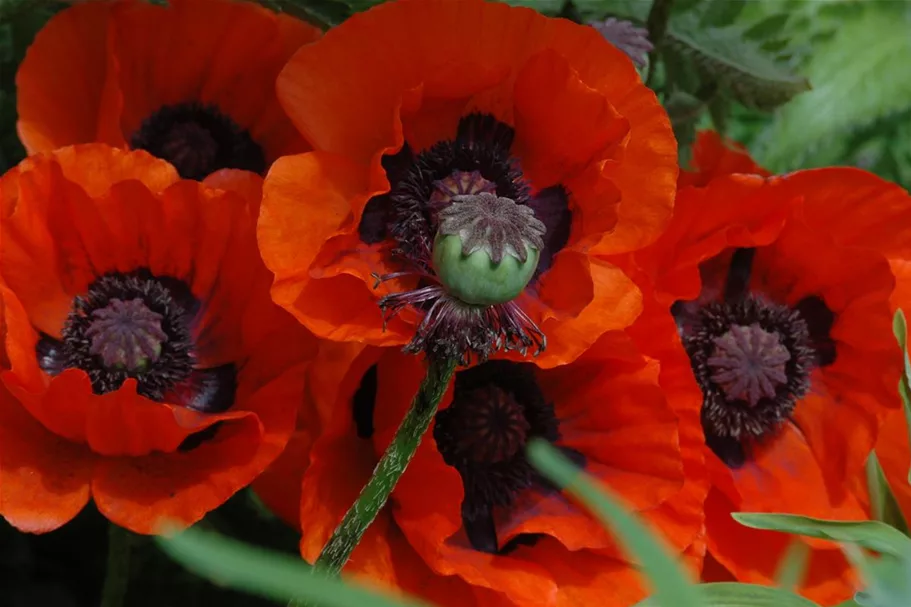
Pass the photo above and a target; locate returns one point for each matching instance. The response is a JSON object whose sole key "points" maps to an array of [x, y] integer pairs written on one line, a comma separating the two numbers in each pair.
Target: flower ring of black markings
{"points": [[136, 325], [198, 140]]}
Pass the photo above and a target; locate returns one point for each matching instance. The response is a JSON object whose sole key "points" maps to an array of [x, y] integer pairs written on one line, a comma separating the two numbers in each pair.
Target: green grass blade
{"points": [[268, 574], [793, 565], [669, 582], [882, 501], [872, 535]]}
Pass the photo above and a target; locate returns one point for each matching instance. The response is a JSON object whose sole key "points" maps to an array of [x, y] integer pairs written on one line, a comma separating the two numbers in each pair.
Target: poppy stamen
{"points": [[198, 140]]}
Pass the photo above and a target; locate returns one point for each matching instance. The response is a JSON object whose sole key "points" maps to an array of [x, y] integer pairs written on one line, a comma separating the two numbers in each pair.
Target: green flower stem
{"points": [[389, 469], [658, 18], [117, 576]]}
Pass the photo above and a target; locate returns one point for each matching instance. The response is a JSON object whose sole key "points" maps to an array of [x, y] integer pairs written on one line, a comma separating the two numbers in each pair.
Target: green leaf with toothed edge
{"points": [[753, 77]]}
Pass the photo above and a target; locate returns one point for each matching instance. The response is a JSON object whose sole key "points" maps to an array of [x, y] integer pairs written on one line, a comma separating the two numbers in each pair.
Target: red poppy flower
{"points": [[500, 108], [192, 82], [780, 287], [471, 523], [145, 363], [892, 447], [714, 156]]}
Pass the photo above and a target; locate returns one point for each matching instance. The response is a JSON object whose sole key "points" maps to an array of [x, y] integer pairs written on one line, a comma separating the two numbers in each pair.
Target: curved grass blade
{"points": [[268, 574], [667, 578]]}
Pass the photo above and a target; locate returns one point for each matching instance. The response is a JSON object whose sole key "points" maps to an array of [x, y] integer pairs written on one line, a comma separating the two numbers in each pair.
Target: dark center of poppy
{"points": [[138, 326], [478, 161], [497, 407], [198, 140], [752, 358]]}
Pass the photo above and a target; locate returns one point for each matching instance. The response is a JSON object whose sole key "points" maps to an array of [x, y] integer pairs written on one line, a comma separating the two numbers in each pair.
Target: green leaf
{"points": [[724, 594], [266, 573], [670, 583], [793, 565], [882, 501], [322, 13], [723, 54], [900, 329], [859, 76], [872, 535], [887, 579]]}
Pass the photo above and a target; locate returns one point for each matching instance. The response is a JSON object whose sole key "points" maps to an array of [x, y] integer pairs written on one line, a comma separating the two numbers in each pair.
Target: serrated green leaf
{"points": [[859, 76], [872, 535], [667, 577], [753, 77], [883, 505], [724, 594], [720, 13], [268, 574]]}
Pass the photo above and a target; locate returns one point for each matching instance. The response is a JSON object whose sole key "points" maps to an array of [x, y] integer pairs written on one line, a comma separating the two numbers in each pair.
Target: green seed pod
{"points": [[475, 278]]}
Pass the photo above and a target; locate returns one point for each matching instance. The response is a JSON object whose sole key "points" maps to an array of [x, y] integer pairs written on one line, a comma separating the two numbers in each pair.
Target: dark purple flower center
{"points": [[198, 140], [497, 407], [138, 326], [752, 358], [424, 185]]}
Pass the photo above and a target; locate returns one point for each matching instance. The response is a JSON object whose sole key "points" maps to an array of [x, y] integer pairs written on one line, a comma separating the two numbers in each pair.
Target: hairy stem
{"points": [[389, 469], [117, 576]]}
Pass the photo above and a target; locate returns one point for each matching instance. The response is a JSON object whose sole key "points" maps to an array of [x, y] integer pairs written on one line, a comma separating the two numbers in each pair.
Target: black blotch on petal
{"points": [[551, 206], [737, 285], [820, 320], [209, 390], [364, 402], [480, 528], [50, 355], [729, 450], [198, 438], [523, 539]]}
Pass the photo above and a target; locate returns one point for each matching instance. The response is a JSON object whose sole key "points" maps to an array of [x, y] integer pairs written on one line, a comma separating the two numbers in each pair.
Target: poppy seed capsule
{"points": [[487, 248]]}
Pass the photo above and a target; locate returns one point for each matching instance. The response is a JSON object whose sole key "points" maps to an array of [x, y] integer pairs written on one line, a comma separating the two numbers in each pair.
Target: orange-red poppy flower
{"points": [[780, 287], [192, 83], [470, 522], [480, 100], [145, 364], [714, 156], [892, 447]]}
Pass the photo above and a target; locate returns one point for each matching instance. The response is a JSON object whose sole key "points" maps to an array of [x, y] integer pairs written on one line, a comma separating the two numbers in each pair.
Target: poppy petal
{"points": [[561, 123], [68, 59], [753, 556], [37, 492]]}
